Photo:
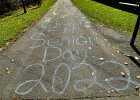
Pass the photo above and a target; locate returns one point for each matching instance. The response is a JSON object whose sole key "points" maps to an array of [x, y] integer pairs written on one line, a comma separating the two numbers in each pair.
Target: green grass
{"points": [[11, 26], [108, 16]]}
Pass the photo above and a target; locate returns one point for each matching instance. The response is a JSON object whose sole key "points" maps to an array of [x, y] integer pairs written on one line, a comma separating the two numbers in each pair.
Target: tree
{"points": [[24, 7], [7, 6]]}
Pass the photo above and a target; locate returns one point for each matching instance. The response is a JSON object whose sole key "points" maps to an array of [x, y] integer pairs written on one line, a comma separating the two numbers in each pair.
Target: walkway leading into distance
{"points": [[65, 56]]}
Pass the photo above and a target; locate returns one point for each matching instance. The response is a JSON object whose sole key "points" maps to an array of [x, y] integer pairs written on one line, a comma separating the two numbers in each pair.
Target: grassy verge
{"points": [[11, 26], [108, 16]]}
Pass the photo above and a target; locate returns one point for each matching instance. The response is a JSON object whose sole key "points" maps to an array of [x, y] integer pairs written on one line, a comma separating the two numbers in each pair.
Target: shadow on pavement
{"points": [[135, 61], [132, 58], [135, 49]]}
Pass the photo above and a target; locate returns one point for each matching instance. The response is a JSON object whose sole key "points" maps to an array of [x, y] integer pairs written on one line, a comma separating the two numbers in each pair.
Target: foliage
{"points": [[8, 5], [33, 2], [108, 16], [11, 26]]}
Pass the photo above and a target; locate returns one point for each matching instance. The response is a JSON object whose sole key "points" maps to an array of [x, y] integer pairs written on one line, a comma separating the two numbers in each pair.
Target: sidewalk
{"points": [[65, 56]]}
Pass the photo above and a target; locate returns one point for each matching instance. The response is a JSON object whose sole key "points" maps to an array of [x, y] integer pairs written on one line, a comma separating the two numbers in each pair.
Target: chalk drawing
{"points": [[52, 59], [127, 79], [53, 42], [45, 22], [116, 78], [84, 42], [32, 81], [73, 40], [85, 57], [67, 82], [93, 80], [81, 20], [89, 81], [52, 28], [80, 40], [64, 40], [67, 27], [36, 37], [83, 61], [29, 90], [90, 41], [69, 54]]}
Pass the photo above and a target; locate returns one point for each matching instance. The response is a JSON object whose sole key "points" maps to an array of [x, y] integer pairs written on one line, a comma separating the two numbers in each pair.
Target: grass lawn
{"points": [[108, 16], [11, 26]]}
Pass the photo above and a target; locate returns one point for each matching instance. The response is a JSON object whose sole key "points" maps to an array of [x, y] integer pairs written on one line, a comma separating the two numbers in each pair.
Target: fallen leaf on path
{"points": [[1, 49], [109, 92], [7, 69], [108, 44], [112, 90], [126, 63], [106, 80], [138, 77], [117, 91], [14, 98], [89, 48], [122, 73], [136, 58], [101, 59], [93, 73], [128, 55], [12, 60], [7, 43], [118, 51], [87, 26], [137, 88], [8, 72]]}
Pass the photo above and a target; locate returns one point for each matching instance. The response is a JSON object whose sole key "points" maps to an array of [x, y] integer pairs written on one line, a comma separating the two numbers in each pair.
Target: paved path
{"points": [[64, 56]]}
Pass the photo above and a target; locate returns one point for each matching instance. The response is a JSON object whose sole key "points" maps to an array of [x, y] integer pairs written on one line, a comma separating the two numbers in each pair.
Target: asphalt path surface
{"points": [[65, 56]]}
